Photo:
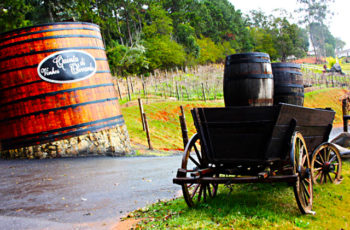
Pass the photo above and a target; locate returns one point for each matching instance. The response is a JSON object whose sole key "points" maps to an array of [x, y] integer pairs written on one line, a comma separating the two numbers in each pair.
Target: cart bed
{"points": [[258, 134]]}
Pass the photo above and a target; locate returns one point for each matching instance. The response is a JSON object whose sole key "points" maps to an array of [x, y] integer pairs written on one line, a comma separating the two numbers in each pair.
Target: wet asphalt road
{"points": [[83, 193]]}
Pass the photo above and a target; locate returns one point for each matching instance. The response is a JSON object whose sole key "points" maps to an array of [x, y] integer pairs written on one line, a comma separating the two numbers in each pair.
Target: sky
{"points": [[339, 24]]}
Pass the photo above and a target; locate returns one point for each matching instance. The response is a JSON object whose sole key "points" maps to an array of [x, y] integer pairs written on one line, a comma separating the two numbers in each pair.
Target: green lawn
{"points": [[163, 120], [254, 206], [163, 117], [246, 206]]}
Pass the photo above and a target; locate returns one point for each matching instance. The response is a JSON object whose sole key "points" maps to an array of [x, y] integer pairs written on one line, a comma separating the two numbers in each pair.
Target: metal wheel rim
{"points": [[195, 193], [326, 164]]}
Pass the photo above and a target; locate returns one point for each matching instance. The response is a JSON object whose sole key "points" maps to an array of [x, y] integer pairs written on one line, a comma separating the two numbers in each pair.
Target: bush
{"points": [[164, 53]]}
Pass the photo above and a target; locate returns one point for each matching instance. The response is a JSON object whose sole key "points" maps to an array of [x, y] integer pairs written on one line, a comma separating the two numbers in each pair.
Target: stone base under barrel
{"points": [[110, 142]]}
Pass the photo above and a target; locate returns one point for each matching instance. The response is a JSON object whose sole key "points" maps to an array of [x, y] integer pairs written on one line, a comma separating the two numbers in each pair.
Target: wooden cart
{"points": [[259, 145]]}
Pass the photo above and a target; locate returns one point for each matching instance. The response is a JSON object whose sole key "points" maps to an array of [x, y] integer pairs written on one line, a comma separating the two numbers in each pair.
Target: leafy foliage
{"points": [[209, 51], [277, 36], [164, 53], [144, 35], [127, 60], [13, 14], [315, 13]]}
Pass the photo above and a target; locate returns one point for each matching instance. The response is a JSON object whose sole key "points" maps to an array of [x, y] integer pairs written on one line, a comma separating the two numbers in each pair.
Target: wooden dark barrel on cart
{"points": [[288, 83], [55, 83], [248, 80]]}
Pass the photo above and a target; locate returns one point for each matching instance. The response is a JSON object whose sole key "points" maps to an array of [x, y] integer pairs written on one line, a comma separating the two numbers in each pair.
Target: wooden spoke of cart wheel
{"points": [[326, 164], [195, 190], [197, 153], [194, 161], [195, 193], [303, 188]]}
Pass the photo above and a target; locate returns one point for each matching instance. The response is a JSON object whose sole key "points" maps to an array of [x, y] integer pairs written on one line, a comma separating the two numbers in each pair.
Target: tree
{"points": [[186, 37], [263, 42], [339, 45], [141, 35], [13, 14], [209, 51], [157, 22], [324, 42], [287, 39], [258, 19], [164, 53], [127, 60], [277, 36], [315, 11]]}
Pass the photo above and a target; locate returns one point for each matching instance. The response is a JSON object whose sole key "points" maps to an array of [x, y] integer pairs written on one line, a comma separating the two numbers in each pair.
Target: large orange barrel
{"points": [[55, 83], [288, 83], [248, 80]]}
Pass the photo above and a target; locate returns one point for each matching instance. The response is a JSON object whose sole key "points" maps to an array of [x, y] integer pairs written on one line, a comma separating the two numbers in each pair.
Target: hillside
{"points": [[163, 118]]}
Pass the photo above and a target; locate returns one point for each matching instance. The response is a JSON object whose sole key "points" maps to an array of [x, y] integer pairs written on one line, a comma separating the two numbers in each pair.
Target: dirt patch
{"points": [[146, 101], [309, 60], [161, 116], [126, 224], [312, 88]]}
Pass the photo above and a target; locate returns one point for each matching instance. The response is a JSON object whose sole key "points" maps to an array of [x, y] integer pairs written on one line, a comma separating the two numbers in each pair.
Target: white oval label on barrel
{"points": [[67, 66]]}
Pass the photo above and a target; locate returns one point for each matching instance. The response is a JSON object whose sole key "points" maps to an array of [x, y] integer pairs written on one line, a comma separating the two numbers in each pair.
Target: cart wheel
{"points": [[303, 189], [326, 164], [192, 161]]}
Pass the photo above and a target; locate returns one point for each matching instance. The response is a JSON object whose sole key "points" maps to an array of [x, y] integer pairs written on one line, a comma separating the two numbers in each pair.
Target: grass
{"points": [[329, 97], [245, 206], [345, 67], [163, 118], [254, 206]]}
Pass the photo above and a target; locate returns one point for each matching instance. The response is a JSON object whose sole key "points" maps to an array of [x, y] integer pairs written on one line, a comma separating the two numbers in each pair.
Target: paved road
{"points": [[81, 193], [335, 132]]}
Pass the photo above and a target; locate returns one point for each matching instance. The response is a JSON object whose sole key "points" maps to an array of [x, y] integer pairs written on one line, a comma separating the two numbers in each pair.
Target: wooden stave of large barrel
{"points": [[248, 80], [288, 83], [34, 111]]}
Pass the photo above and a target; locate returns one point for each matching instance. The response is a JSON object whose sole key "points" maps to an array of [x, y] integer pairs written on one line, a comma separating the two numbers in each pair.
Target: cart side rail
{"points": [[314, 124], [235, 134]]}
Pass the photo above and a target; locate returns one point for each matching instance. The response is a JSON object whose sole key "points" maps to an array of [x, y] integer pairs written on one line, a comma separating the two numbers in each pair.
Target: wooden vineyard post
{"points": [[131, 84], [207, 88], [188, 95], [127, 84], [182, 93], [204, 98], [120, 94], [141, 113], [147, 132], [177, 92], [183, 127], [143, 86], [345, 114]]}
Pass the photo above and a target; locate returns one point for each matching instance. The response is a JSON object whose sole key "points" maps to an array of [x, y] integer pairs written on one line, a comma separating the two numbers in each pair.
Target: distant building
{"points": [[310, 53], [343, 53]]}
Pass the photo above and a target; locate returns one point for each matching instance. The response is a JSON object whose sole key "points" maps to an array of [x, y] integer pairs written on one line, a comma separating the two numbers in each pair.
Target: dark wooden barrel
{"points": [[248, 80], [288, 83], [55, 83]]}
